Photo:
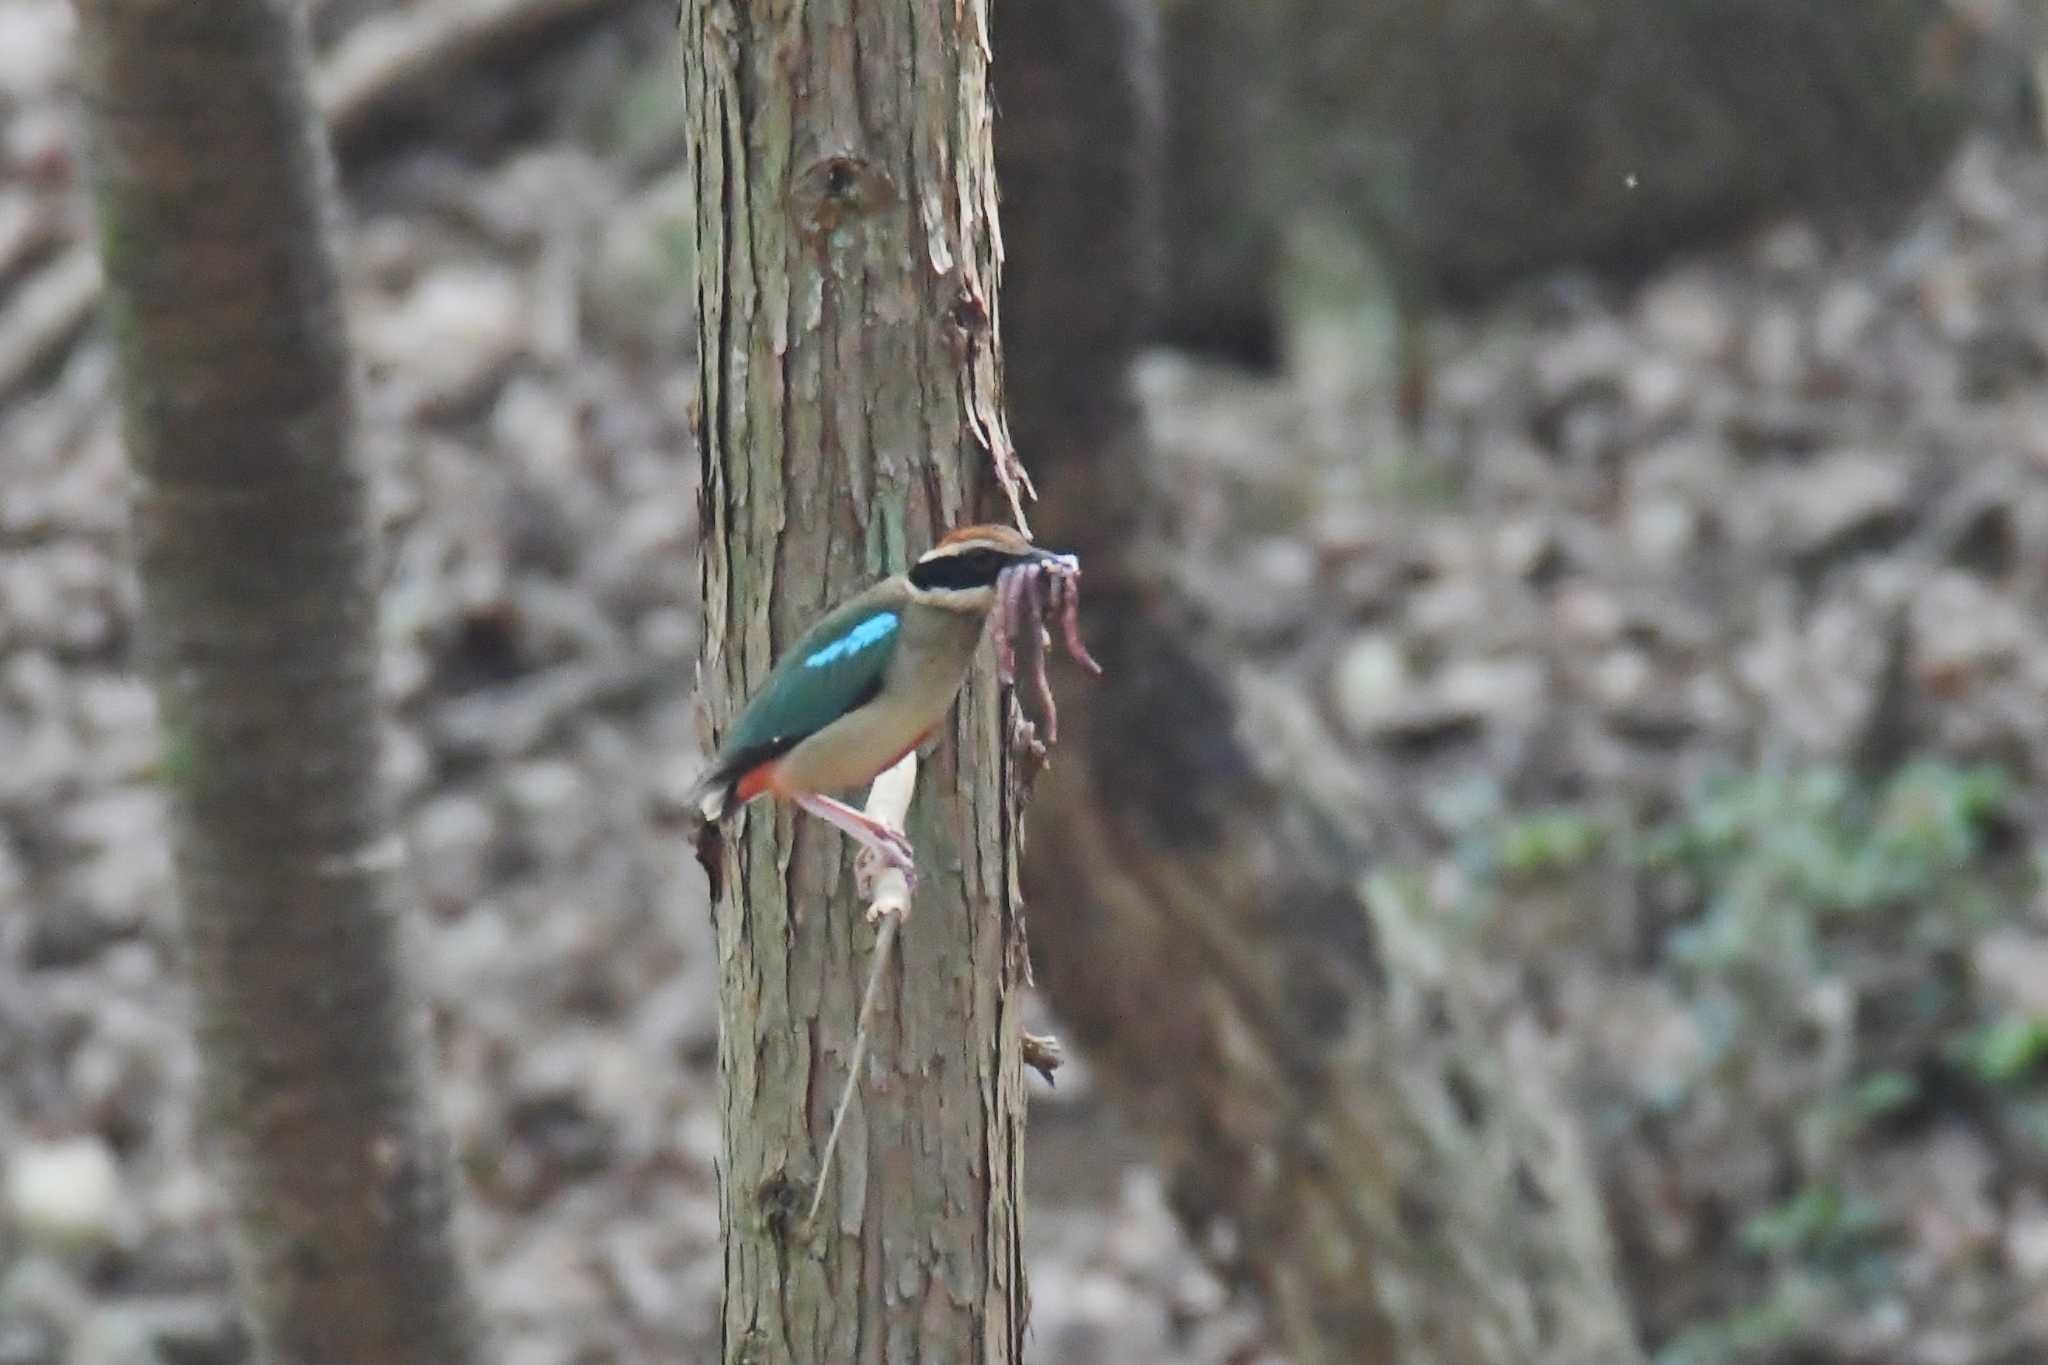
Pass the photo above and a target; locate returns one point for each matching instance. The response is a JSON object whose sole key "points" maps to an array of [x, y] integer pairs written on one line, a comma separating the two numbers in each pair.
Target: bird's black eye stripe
{"points": [[976, 568]]}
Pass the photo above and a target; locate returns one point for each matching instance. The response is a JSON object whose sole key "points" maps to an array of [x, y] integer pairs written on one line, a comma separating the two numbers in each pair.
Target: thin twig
{"points": [[48, 312], [889, 802], [404, 49], [885, 939]]}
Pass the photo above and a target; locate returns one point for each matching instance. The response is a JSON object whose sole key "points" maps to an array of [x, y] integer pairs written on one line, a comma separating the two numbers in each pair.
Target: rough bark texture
{"points": [[847, 270], [1358, 1126], [215, 194]]}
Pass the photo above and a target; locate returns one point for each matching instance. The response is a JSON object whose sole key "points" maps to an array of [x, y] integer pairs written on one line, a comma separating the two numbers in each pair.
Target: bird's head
{"points": [[960, 572]]}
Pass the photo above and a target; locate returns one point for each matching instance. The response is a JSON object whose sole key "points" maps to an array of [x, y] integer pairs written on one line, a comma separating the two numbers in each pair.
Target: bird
{"points": [[866, 685]]}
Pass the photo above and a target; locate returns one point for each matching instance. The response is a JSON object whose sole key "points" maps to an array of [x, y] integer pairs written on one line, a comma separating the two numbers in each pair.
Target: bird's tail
{"points": [[712, 797]]}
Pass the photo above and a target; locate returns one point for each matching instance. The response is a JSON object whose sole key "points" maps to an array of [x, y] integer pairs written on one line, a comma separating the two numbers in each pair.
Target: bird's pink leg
{"points": [[889, 845]]}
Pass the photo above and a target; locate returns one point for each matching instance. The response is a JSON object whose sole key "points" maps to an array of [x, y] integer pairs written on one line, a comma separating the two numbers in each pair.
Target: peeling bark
{"points": [[850, 411], [215, 192]]}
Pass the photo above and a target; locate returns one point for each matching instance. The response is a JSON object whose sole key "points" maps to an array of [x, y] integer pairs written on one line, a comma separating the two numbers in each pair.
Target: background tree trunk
{"points": [[1373, 1135], [1425, 131], [847, 274], [215, 195]]}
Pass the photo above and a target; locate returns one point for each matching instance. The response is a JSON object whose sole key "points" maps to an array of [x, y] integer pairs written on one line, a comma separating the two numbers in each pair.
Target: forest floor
{"points": [[1692, 657]]}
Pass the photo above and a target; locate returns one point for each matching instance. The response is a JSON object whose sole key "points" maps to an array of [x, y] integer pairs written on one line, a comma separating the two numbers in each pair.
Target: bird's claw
{"points": [[867, 868], [895, 853]]}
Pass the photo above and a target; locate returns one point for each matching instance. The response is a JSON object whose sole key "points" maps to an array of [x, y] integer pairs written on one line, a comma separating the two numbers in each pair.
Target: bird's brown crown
{"points": [[987, 533]]}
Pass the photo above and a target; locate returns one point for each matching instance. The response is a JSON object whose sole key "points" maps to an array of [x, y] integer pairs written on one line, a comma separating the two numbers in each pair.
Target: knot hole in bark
{"points": [[966, 320], [709, 847], [836, 189], [752, 1348], [781, 1200], [969, 314]]}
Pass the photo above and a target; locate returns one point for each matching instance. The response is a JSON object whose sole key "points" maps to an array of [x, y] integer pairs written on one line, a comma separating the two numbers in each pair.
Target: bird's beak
{"points": [[1056, 560]]}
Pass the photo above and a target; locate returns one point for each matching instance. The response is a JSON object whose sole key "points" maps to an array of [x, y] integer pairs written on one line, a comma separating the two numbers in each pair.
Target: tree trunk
{"points": [[1375, 1139], [215, 194], [847, 273], [1470, 144]]}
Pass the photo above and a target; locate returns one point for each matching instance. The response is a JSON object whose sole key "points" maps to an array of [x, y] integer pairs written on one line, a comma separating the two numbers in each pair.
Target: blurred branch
{"points": [[380, 62], [49, 311], [399, 51]]}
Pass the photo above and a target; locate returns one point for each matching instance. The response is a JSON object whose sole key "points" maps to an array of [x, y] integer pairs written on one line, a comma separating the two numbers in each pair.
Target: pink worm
{"points": [[1025, 596]]}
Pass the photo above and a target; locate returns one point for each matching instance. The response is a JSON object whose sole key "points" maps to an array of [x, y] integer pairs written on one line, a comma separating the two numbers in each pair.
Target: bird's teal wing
{"points": [[836, 667]]}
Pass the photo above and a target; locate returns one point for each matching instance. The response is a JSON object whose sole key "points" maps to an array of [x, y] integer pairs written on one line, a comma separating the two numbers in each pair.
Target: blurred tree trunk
{"points": [[215, 198], [850, 404], [1471, 143], [1378, 1144]]}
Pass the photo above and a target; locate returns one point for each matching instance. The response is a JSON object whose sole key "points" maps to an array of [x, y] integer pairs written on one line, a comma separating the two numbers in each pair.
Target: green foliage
{"points": [[1817, 931], [1763, 1330], [1882, 1094], [1548, 842], [1779, 857], [2004, 1051], [1818, 1219]]}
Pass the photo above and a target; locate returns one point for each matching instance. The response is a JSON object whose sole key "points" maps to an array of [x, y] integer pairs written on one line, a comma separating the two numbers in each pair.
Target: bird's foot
{"points": [[882, 848], [890, 851]]}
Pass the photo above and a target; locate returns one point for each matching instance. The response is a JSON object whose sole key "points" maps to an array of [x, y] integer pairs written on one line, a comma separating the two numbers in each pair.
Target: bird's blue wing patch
{"points": [[836, 667], [867, 634]]}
